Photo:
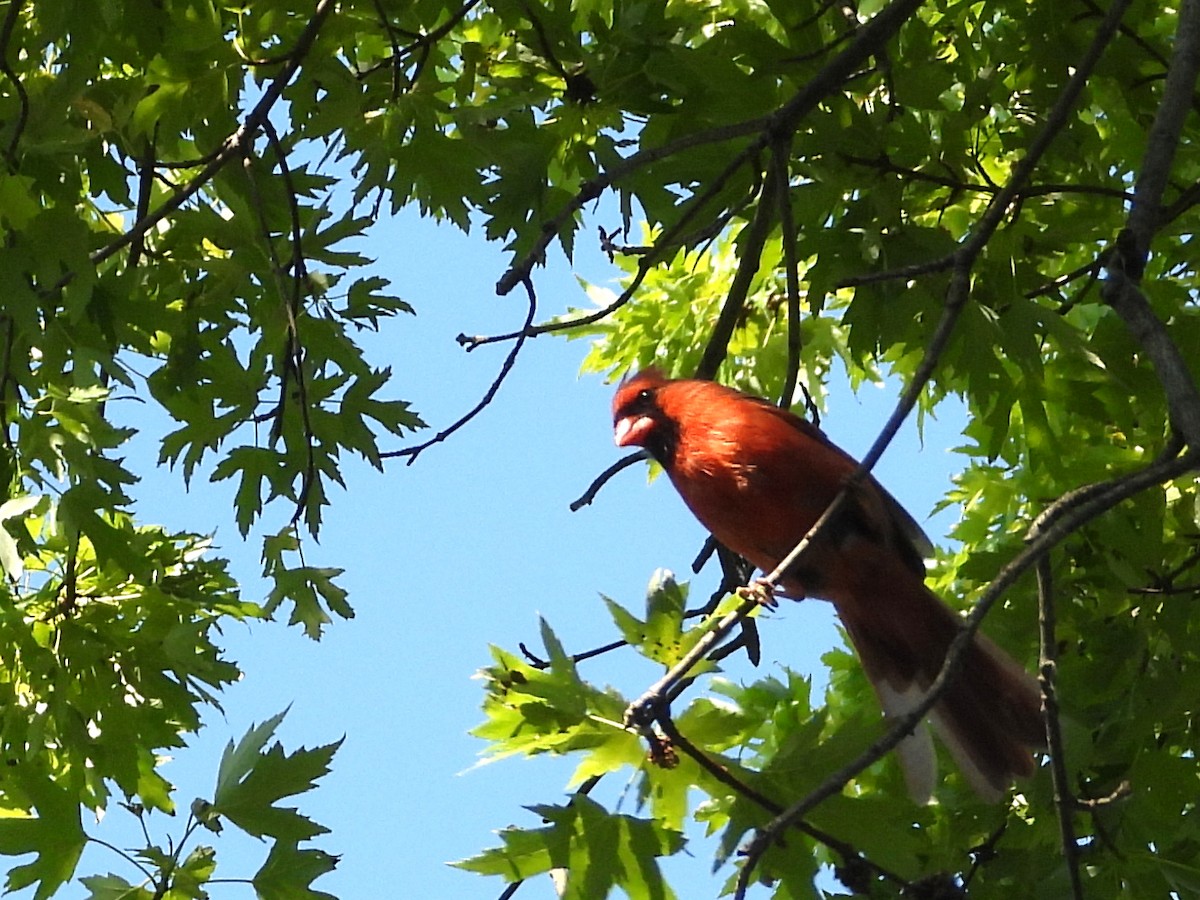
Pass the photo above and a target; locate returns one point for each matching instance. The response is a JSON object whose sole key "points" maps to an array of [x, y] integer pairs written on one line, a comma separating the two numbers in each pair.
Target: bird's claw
{"points": [[761, 591]]}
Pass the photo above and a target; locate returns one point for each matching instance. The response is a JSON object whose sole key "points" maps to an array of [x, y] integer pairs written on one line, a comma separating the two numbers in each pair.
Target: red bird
{"points": [[758, 477]]}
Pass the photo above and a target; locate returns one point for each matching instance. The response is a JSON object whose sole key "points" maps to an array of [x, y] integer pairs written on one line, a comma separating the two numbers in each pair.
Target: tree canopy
{"points": [[992, 202]]}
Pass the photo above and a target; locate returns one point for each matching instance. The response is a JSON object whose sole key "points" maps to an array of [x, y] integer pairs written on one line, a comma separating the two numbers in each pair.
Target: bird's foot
{"points": [[761, 591]]}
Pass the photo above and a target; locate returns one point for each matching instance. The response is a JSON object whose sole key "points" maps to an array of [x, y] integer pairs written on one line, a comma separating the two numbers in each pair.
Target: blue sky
{"points": [[466, 548]]}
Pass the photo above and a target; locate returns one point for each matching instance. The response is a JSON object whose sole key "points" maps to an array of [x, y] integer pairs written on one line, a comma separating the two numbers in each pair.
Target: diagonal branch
{"points": [[417, 449], [851, 857], [1127, 263], [754, 238]]}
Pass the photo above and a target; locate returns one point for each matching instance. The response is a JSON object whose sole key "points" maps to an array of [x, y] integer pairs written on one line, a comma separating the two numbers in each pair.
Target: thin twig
{"points": [[293, 304], [904, 273], [883, 163], [658, 251], [753, 239], [850, 855], [416, 450], [538, 663], [594, 488], [584, 789], [1064, 800], [781, 153]]}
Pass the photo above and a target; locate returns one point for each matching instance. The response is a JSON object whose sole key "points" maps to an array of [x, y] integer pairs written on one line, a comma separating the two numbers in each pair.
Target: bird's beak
{"points": [[631, 430]]}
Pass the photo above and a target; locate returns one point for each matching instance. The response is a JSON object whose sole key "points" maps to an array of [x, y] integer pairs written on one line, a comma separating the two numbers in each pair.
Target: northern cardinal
{"points": [[758, 477]]}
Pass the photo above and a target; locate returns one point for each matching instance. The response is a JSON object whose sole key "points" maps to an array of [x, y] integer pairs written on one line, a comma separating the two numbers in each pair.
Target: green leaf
{"points": [[289, 872], [598, 849], [251, 780], [55, 835], [113, 887]]}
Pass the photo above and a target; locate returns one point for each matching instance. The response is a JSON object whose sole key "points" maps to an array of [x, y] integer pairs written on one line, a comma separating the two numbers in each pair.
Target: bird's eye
{"points": [[645, 394]]}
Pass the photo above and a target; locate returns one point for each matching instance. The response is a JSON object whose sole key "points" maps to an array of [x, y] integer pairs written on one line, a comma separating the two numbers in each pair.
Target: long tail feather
{"points": [[989, 717]]}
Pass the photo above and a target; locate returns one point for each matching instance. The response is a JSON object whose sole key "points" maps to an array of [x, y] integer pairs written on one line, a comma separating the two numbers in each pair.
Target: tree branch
{"points": [[1127, 264], [753, 239], [883, 163], [781, 154], [594, 488], [1064, 800], [851, 857], [416, 450], [1146, 210]]}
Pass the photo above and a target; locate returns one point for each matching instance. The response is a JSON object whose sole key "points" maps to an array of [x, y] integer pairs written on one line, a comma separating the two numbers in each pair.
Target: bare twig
{"points": [[753, 239], [781, 152], [1064, 801], [416, 450], [594, 488], [538, 663]]}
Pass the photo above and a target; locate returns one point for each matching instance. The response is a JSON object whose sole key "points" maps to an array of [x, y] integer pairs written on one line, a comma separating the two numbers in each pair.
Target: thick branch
{"points": [[1145, 212], [1126, 264]]}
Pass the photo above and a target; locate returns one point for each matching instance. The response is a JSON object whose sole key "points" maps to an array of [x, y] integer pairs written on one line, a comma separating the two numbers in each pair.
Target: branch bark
{"points": [[1127, 264]]}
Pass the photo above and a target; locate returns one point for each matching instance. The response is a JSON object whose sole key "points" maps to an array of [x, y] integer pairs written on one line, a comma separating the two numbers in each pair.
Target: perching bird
{"points": [[758, 477]]}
